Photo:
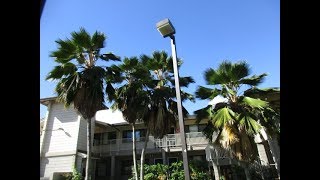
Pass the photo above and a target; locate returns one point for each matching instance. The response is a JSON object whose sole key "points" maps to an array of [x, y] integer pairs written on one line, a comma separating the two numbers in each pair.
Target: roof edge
{"points": [[45, 101]]}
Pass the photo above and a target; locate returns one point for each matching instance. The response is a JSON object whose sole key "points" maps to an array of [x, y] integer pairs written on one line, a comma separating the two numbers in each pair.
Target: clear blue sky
{"points": [[207, 32]]}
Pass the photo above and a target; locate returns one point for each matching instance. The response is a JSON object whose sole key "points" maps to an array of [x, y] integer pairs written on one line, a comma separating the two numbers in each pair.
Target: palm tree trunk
{"points": [[89, 143], [275, 151], [134, 152], [143, 154], [246, 171]]}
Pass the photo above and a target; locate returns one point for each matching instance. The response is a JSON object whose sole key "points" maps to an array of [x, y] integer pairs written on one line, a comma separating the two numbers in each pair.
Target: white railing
{"points": [[169, 140]]}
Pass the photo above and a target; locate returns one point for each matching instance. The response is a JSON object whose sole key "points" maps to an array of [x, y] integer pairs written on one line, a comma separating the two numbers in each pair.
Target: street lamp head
{"points": [[165, 28]]}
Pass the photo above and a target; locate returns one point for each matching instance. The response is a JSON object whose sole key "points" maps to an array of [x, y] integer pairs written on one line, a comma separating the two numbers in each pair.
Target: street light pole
{"points": [[166, 29], [180, 115]]}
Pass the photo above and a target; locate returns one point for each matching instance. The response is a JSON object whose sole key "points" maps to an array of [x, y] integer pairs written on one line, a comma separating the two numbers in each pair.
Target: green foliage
{"points": [[175, 171], [154, 172], [75, 175]]}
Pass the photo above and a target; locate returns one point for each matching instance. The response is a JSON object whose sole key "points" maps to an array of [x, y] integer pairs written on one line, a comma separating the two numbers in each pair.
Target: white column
{"points": [[44, 129], [113, 164], [94, 165], [164, 158]]}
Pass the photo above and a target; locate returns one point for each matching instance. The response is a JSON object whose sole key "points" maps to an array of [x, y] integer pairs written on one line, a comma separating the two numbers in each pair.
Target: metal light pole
{"points": [[166, 29]]}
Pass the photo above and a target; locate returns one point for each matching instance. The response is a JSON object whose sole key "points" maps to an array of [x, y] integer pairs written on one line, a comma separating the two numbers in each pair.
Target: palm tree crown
{"points": [[79, 79], [162, 110], [241, 117]]}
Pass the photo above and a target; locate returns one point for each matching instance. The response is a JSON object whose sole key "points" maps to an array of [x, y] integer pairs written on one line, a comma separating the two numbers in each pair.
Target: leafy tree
{"points": [[80, 80], [238, 119]]}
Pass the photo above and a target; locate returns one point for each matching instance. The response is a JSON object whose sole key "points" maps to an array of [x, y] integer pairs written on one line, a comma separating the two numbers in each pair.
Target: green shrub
{"points": [[174, 171], [75, 175]]}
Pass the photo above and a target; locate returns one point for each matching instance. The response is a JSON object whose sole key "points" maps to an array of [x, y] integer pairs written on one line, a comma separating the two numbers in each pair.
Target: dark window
{"points": [[126, 167], [158, 161], [201, 127], [171, 131], [97, 139], [172, 160], [112, 137], [101, 169], [139, 135], [186, 128]]}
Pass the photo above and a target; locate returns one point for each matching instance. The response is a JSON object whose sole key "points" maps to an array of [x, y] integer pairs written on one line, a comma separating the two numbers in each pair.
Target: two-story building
{"points": [[63, 143]]}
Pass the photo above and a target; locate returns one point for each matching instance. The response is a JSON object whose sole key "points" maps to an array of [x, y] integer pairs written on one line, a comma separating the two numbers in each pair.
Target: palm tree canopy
{"points": [[80, 81], [163, 113], [131, 97], [243, 115], [147, 92]]}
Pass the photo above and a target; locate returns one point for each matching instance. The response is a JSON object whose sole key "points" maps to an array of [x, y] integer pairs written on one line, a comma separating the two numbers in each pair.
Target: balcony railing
{"points": [[170, 140]]}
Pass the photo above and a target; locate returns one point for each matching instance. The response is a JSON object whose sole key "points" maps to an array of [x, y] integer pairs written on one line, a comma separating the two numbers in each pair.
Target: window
{"points": [[198, 158], [172, 160], [126, 167], [139, 135], [101, 169], [158, 161], [112, 137], [193, 128], [97, 139]]}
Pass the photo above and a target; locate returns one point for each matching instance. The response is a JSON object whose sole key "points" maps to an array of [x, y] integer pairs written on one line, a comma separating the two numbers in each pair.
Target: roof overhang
{"points": [[46, 101]]}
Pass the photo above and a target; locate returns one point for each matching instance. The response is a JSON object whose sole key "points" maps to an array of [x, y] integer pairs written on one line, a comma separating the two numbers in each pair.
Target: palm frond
{"points": [[252, 102], [110, 56], [97, 40], [63, 70], [206, 93], [67, 87], [222, 117], [66, 46], [185, 81], [113, 74], [187, 96], [211, 77], [240, 70], [82, 39], [204, 113], [247, 122], [253, 80]]}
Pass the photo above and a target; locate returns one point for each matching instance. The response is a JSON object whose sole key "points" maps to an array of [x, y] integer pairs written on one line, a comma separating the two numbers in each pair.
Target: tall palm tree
{"points": [[131, 98], [241, 117], [80, 81], [161, 113]]}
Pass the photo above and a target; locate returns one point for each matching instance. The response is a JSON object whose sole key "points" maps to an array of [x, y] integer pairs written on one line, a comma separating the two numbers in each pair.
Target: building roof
{"points": [[45, 101]]}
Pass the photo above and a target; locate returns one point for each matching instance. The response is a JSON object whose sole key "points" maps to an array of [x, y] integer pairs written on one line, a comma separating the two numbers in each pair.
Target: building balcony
{"points": [[170, 142]]}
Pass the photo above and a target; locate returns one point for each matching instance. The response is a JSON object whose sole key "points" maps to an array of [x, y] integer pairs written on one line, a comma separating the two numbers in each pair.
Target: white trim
{"points": [[61, 153]]}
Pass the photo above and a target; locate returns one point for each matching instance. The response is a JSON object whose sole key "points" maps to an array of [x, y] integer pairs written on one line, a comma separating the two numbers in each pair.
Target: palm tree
{"points": [[80, 81], [131, 98], [161, 113], [241, 117]]}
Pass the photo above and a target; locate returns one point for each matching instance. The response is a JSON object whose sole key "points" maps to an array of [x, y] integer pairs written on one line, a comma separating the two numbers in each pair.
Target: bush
{"points": [[174, 171], [75, 175]]}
